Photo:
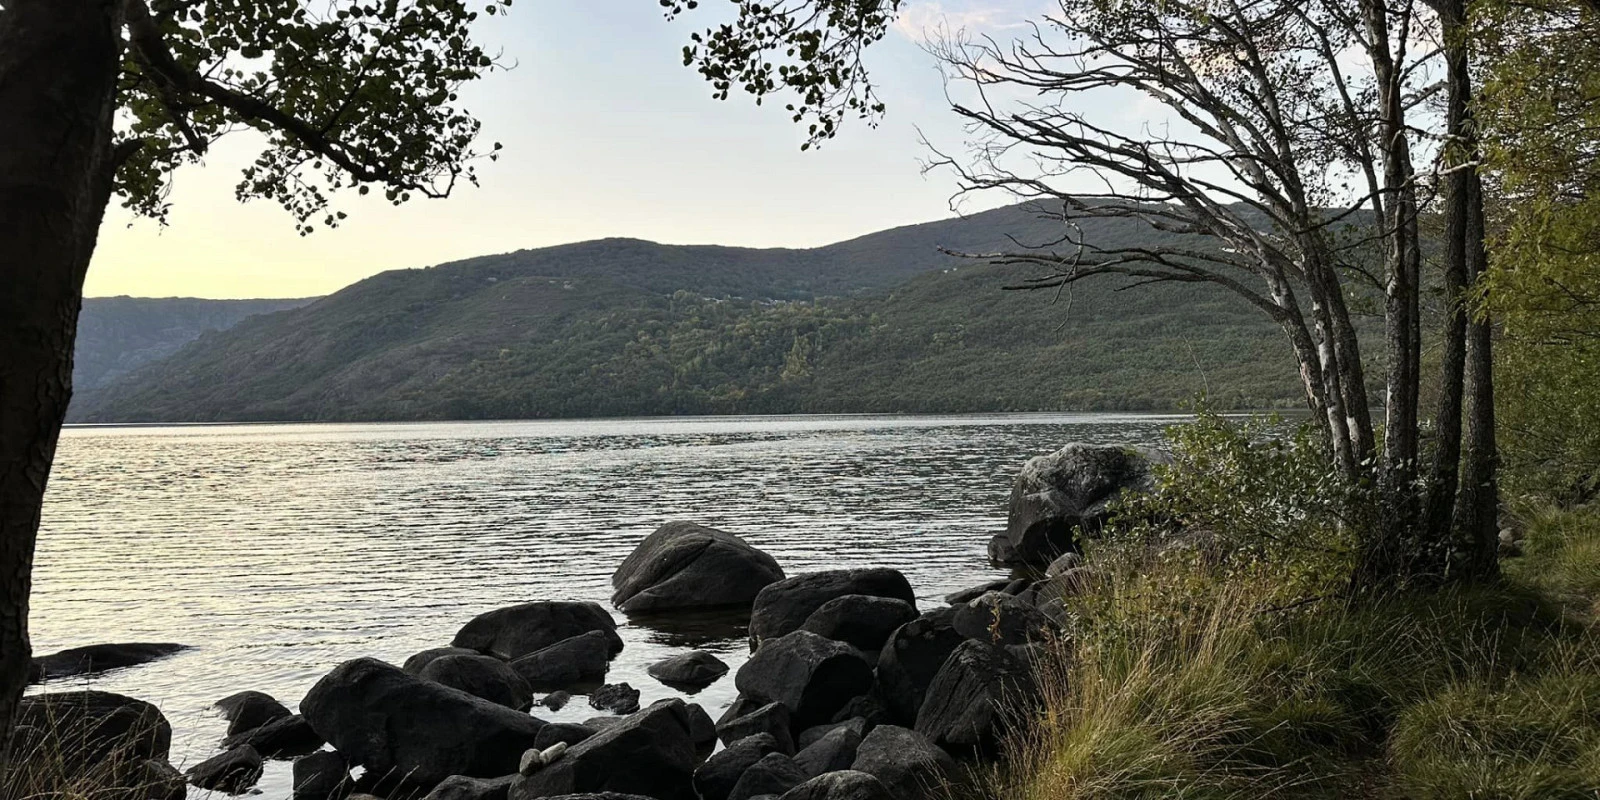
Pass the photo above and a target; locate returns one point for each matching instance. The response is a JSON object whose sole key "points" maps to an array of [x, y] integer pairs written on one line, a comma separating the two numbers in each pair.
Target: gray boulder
{"points": [[93, 737], [836, 750], [908, 765], [416, 663], [618, 698], [248, 710], [285, 737], [393, 723], [772, 719], [162, 781], [784, 607], [1057, 497], [650, 752], [233, 772], [972, 699], [860, 620], [774, 774], [812, 676], [515, 631], [715, 779], [575, 662], [910, 659], [1002, 619], [480, 676], [686, 566], [97, 658], [810, 735], [323, 775], [569, 732], [692, 671], [701, 729], [841, 785]]}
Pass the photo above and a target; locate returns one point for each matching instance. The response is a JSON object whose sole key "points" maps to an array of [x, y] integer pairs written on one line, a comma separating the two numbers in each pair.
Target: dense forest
{"points": [[622, 327]]}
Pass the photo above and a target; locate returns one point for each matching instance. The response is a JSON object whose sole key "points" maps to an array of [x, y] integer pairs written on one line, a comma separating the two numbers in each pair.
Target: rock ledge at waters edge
{"points": [[850, 693]]}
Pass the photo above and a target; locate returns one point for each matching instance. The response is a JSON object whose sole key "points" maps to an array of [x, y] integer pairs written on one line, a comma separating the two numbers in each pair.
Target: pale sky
{"points": [[605, 134]]}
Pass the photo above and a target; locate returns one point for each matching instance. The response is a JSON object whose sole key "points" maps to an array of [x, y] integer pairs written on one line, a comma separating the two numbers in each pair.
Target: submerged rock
{"points": [[98, 658], [693, 670], [686, 566], [394, 723], [618, 698], [784, 607], [1060, 495], [515, 631]]}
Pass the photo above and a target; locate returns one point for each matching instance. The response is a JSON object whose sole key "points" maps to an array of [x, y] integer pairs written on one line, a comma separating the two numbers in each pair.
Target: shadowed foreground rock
{"points": [[907, 764], [714, 780], [684, 566], [651, 752], [841, 785], [233, 772], [784, 606], [90, 732], [515, 631], [99, 658], [285, 737], [774, 774], [480, 676], [323, 775], [860, 620], [396, 724], [910, 659], [1062, 494], [968, 702], [812, 676]]}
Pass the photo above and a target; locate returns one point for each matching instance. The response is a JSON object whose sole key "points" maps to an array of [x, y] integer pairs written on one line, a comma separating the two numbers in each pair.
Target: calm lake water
{"points": [[279, 551]]}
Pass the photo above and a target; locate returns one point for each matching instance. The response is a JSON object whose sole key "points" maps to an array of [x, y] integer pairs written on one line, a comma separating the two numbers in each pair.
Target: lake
{"points": [[279, 551]]}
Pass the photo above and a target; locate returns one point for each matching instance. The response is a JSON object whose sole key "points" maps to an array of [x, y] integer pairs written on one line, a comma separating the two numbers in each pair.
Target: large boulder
{"points": [[1060, 495], [248, 710], [98, 658], [460, 787], [92, 738], [836, 750], [480, 676], [813, 677], [774, 774], [574, 662], [651, 753], [418, 662], [233, 772], [1002, 619], [516, 631], [714, 780], [690, 671], [393, 723], [841, 785], [569, 732], [284, 737], [784, 607], [861, 620], [910, 659], [771, 719], [323, 775], [685, 566], [908, 765], [974, 697]]}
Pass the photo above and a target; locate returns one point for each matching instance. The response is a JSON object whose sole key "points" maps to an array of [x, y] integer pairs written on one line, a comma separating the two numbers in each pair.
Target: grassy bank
{"points": [[1189, 679]]}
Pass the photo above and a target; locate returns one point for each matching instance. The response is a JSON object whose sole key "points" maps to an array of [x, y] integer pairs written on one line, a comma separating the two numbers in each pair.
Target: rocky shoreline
{"points": [[851, 691]]}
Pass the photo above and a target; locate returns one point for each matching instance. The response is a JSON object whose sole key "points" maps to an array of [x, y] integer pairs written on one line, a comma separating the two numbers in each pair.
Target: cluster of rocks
{"points": [[850, 693]]}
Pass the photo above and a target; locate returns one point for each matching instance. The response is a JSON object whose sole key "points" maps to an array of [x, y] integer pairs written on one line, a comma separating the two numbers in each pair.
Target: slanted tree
{"points": [[104, 98]]}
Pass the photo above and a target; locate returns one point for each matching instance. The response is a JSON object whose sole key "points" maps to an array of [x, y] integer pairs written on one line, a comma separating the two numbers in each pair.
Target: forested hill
{"points": [[119, 334], [882, 323]]}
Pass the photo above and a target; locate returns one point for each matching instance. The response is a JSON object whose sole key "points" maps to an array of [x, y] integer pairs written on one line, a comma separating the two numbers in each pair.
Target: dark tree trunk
{"points": [[1478, 503], [1461, 241], [58, 68]]}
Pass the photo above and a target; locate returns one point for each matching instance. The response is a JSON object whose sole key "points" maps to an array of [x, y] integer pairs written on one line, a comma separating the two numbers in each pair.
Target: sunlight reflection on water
{"points": [[279, 551]]}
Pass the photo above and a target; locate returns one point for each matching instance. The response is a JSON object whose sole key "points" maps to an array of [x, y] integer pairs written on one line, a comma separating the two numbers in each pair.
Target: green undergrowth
{"points": [[1191, 672]]}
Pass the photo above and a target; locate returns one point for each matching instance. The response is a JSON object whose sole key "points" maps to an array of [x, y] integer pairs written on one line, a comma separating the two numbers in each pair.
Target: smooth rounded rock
{"points": [[772, 719], [233, 772], [683, 566], [715, 779], [248, 710], [515, 631], [784, 606], [910, 659], [694, 670], [908, 765], [323, 775], [972, 700], [570, 663], [812, 676], [832, 752], [774, 774], [1058, 496], [859, 620], [285, 737], [1002, 619], [841, 785], [649, 752], [480, 676]]}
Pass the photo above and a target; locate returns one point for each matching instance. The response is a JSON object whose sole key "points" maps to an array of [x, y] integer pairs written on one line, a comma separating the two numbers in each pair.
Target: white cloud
{"points": [[920, 19]]}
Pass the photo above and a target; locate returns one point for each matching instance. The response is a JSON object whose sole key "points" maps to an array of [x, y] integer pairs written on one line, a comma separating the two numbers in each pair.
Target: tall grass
{"points": [[1181, 680]]}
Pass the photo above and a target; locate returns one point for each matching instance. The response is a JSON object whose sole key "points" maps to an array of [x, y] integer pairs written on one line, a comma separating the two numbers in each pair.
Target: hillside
{"points": [[119, 334], [882, 323]]}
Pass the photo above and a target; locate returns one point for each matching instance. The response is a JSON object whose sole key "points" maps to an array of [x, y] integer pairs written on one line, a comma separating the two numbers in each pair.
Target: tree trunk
{"points": [[1478, 503], [1460, 153], [58, 67]]}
